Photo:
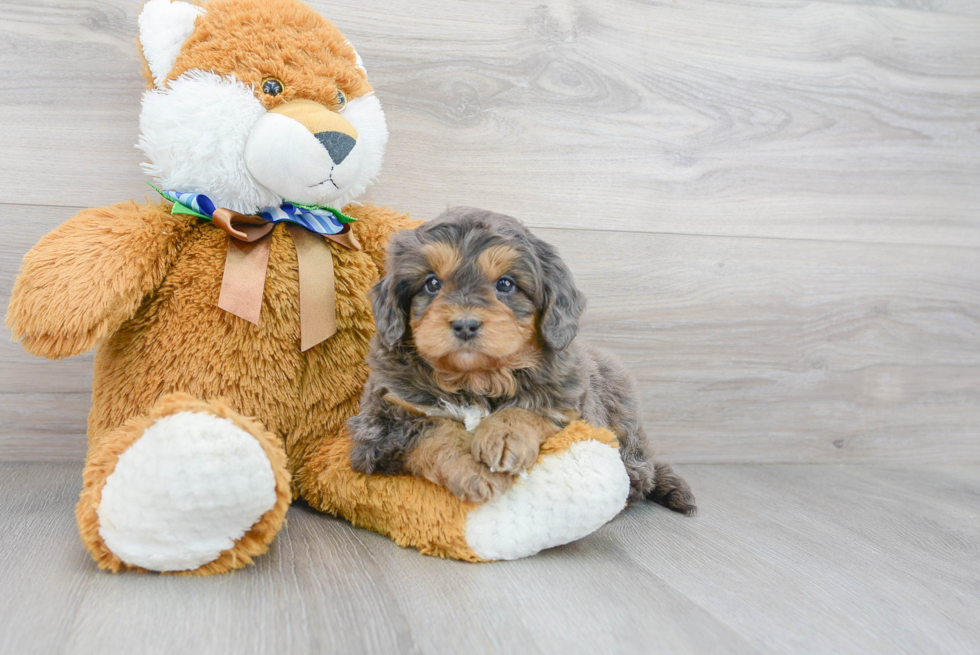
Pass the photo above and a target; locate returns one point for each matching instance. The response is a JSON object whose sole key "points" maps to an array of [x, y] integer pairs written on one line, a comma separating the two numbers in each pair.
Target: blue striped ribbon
{"points": [[317, 219]]}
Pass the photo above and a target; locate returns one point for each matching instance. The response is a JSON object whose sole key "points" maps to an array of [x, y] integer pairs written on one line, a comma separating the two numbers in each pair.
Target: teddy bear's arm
{"points": [[375, 225], [83, 280]]}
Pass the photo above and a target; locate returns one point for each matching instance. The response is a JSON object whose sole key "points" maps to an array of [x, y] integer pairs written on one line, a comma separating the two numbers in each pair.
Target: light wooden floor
{"points": [[781, 559]]}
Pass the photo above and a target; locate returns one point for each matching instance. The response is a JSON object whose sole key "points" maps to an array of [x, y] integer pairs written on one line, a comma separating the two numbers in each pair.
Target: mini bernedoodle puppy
{"points": [[475, 364]]}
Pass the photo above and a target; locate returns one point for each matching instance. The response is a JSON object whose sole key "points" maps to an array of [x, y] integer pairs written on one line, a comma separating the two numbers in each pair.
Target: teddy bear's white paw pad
{"points": [[191, 486], [563, 498]]}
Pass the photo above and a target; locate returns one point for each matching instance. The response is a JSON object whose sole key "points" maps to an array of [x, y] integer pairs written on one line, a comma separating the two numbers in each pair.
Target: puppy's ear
{"points": [[562, 302], [389, 317]]}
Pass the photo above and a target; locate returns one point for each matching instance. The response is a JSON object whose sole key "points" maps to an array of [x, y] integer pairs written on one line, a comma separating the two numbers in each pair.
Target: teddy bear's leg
{"points": [[577, 484], [192, 487]]}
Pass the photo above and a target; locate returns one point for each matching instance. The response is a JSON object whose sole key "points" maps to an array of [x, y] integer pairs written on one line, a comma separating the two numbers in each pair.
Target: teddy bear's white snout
{"points": [[305, 153]]}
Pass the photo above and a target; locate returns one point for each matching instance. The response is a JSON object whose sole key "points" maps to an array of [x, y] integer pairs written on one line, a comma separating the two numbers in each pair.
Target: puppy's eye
{"points": [[341, 100], [432, 285], [271, 86], [505, 285]]}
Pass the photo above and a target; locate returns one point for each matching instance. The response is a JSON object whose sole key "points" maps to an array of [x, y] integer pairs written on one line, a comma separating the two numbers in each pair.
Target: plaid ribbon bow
{"points": [[247, 261], [319, 219]]}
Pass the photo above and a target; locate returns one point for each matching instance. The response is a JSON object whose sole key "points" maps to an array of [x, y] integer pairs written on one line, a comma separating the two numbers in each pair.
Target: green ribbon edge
{"points": [[180, 208]]}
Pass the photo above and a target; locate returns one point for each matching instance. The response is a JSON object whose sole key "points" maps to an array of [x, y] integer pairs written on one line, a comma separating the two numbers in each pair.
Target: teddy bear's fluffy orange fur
{"points": [[145, 283]]}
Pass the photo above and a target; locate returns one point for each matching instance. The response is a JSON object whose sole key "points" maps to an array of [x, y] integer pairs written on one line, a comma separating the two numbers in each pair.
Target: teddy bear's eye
{"points": [[341, 99], [272, 86]]}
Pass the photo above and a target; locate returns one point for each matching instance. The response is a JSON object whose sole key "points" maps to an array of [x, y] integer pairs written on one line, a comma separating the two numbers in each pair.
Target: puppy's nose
{"points": [[337, 144], [466, 329]]}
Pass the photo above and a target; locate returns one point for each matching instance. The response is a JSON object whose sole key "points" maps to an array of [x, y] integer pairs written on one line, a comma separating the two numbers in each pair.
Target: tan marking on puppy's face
{"points": [[496, 261], [500, 338], [443, 258], [434, 338]]}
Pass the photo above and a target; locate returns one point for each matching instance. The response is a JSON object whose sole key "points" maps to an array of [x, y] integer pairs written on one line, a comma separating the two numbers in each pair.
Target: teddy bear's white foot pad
{"points": [[564, 497], [184, 492]]}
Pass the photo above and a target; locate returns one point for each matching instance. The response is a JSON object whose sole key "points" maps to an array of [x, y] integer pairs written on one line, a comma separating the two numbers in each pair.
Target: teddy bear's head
{"points": [[255, 103]]}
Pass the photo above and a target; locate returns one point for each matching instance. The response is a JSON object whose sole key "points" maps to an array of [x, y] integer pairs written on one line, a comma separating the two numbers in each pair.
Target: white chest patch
{"points": [[469, 415]]}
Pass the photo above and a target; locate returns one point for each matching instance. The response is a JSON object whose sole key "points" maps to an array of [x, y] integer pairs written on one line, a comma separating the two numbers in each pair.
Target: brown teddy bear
{"points": [[232, 317]]}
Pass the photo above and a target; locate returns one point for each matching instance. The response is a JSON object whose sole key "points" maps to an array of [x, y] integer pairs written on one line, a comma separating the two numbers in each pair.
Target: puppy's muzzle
{"points": [[466, 329]]}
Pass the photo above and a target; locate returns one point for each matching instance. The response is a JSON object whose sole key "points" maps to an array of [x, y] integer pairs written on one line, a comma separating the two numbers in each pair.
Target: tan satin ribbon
{"points": [[247, 261], [317, 288], [243, 282]]}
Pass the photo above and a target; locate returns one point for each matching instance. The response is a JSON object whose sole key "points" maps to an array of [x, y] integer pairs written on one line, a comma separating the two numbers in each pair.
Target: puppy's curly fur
{"points": [[475, 364]]}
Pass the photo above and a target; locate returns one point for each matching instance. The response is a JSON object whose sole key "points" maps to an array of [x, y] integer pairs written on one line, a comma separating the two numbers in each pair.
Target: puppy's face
{"points": [[473, 310], [476, 291]]}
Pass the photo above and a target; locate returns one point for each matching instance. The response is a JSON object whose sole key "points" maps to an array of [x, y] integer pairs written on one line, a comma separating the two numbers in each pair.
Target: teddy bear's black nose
{"points": [[337, 144]]}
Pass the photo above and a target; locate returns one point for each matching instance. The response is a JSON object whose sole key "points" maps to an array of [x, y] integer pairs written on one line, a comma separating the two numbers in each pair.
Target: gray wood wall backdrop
{"points": [[773, 205]]}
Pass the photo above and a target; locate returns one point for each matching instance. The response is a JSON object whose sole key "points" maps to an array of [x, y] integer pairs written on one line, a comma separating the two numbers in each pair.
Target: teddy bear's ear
{"points": [[164, 26]]}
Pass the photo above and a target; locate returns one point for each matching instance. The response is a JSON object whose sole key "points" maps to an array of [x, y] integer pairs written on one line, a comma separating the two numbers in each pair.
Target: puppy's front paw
{"points": [[508, 441], [505, 450], [474, 482]]}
